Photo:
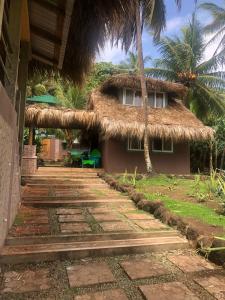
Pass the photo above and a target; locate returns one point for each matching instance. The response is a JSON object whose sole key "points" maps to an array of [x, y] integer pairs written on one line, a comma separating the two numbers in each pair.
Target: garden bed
{"points": [[172, 200]]}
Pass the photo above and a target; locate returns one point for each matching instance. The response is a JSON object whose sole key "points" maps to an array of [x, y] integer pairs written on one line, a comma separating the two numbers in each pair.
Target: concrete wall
{"points": [[9, 165], [116, 158]]}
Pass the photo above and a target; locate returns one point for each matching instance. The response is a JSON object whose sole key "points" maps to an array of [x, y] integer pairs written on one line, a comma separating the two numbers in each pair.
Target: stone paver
{"points": [[150, 224], [25, 230], [74, 227], [104, 295], [191, 263], [35, 220], [115, 226], [89, 274], [105, 217], [138, 216], [99, 209], [68, 211], [143, 268], [26, 281], [215, 285], [165, 291], [71, 218]]}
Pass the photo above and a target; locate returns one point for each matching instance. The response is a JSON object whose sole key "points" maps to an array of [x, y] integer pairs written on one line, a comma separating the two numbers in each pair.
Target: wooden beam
{"points": [[22, 83], [15, 15], [44, 58], [45, 35], [25, 30], [2, 2], [51, 7]]}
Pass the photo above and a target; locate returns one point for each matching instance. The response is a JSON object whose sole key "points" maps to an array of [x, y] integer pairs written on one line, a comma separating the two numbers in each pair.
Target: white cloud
{"points": [[111, 53], [175, 23]]}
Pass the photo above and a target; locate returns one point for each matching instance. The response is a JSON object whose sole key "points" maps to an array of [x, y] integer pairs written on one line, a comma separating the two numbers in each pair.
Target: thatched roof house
{"points": [[115, 111], [174, 121]]}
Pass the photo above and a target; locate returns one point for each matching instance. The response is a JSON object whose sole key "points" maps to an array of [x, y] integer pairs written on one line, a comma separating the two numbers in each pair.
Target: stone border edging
{"points": [[158, 209]]}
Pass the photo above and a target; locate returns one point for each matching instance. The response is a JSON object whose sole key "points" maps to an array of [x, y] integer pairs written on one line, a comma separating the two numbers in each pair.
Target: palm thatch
{"points": [[175, 121], [112, 119], [42, 116], [133, 82]]}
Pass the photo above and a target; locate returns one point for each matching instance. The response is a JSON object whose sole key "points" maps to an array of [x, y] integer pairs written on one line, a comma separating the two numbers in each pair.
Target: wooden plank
{"points": [[25, 30], [45, 34]]}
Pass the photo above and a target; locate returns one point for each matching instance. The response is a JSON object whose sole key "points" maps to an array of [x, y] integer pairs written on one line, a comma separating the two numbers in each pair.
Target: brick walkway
{"points": [[75, 238]]}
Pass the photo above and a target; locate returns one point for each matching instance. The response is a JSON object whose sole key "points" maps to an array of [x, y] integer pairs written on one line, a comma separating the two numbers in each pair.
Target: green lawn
{"points": [[186, 207]]}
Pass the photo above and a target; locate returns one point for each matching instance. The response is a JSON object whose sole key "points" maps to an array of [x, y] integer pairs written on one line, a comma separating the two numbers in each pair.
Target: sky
{"points": [[176, 19]]}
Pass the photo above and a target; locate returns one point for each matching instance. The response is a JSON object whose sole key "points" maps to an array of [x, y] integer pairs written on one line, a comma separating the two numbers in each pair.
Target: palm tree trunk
{"points": [[30, 137], [148, 162]]}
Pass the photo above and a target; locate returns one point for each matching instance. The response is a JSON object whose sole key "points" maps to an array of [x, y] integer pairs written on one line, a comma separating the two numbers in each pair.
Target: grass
{"points": [[189, 209], [189, 187]]}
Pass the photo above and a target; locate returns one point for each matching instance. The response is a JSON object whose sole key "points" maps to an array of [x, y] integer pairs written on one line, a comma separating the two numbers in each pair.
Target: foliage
{"points": [[182, 61], [130, 65], [37, 140], [217, 26], [100, 72]]}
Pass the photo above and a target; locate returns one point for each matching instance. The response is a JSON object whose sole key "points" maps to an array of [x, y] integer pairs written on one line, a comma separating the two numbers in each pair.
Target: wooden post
{"points": [[2, 2], [210, 156], [15, 13], [22, 81], [30, 139]]}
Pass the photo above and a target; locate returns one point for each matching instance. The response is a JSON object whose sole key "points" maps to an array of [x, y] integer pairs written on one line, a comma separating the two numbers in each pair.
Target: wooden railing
{"points": [[5, 46]]}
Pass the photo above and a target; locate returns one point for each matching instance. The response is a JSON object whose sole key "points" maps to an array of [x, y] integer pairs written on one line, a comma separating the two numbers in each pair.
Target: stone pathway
{"points": [[75, 238]]}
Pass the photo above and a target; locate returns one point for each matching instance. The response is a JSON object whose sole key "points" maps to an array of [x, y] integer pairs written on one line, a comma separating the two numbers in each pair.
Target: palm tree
{"points": [[182, 61], [217, 26], [150, 13], [131, 63]]}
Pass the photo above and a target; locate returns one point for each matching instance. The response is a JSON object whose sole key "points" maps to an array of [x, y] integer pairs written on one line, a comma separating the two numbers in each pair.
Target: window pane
{"points": [[167, 145], [135, 145], [151, 99], [159, 100], [157, 144], [138, 100], [129, 97]]}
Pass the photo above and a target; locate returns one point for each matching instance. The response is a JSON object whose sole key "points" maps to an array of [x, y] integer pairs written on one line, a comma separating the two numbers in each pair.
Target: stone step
{"points": [[73, 203], [79, 250], [75, 198], [49, 239]]}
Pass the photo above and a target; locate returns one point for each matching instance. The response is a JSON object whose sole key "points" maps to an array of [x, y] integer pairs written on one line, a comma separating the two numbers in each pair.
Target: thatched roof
{"points": [[174, 121], [133, 82], [43, 116], [113, 119]]}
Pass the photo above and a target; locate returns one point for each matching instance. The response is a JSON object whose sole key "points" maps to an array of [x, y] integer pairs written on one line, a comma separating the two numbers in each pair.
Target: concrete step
{"points": [[73, 203], [49, 239], [78, 250]]}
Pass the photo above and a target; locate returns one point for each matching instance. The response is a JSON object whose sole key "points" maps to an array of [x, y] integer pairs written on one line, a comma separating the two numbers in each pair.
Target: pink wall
{"points": [[117, 159], [9, 164]]}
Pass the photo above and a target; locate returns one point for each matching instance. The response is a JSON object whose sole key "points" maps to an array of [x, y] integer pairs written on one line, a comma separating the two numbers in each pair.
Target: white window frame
{"points": [[124, 98], [163, 151], [134, 92], [129, 143], [164, 98]]}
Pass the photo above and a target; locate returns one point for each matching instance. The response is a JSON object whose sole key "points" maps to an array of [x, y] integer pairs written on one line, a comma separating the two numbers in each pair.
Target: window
{"points": [[157, 100], [135, 145], [132, 98], [162, 145]]}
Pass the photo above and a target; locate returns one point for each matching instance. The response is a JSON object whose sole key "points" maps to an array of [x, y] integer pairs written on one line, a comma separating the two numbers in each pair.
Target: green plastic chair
{"points": [[96, 156]]}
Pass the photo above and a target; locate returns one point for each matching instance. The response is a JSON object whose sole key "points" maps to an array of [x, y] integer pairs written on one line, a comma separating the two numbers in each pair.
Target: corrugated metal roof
{"points": [[48, 99]]}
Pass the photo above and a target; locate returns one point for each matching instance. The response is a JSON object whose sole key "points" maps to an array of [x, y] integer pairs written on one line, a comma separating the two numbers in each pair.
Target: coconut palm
{"points": [[217, 25], [182, 61], [131, 63], [149, 13]]}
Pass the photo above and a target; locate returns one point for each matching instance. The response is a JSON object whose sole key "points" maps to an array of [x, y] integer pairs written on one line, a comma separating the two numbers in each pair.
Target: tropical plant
{"points": [[131, 63], [149, 13], [217, 26], [182, 61]]}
